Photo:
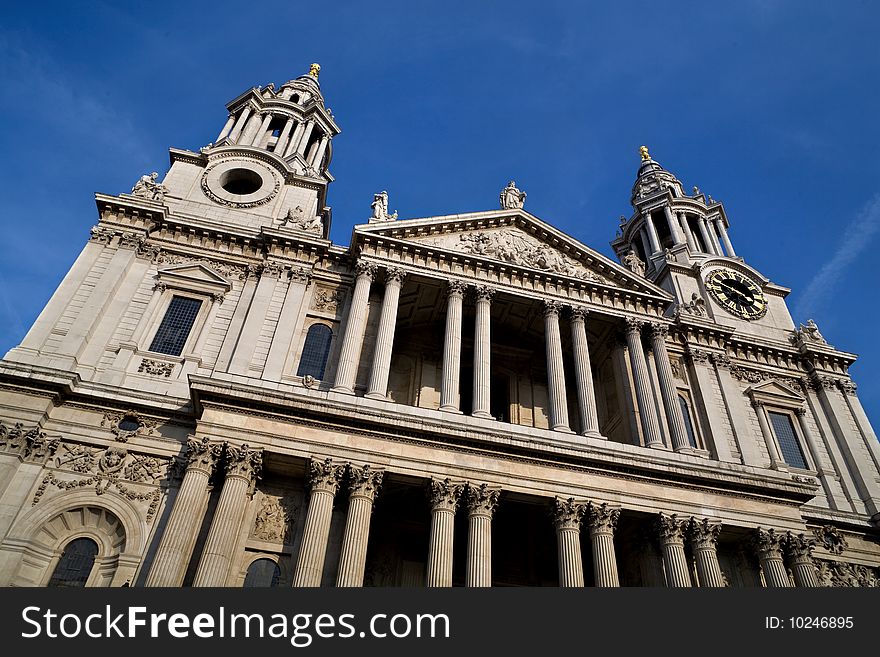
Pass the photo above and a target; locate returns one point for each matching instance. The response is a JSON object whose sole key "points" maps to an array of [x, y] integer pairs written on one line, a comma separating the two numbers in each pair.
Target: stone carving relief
{"points": [[273, 520], [296, 218], [696, 306], [155, 368], [128, 424], [632, 262], [327, 298], [512, 198], [840, 574], [380, 209], [30, 444], [830, 538], [147, 187], [229, 270], [807, 333]]}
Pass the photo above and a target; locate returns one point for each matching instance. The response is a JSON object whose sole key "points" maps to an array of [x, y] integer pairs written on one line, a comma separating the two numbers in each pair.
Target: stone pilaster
{"points": [[481, 503], [677, 429], [365, 485], [704, 542], [445, 495], [324, 479], [776, 460], [482, 352], [555, 368], [353, 339], [449, 385], [671, 530], [602, 521], [799, 549], [567, 516], [644, 395], [584, 374], [179, 538], [378, 388], [768, 544], [243, 467]]}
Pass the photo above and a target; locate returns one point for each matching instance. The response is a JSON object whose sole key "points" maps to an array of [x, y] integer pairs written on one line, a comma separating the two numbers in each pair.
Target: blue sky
{"points": [[770, 107]]}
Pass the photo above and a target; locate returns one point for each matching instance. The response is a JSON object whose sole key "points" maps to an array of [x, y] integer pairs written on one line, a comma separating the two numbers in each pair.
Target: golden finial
{"points": [[643, 151], [314, 69]]}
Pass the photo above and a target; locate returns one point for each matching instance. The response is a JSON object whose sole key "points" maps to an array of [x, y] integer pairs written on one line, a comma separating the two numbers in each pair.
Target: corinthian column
{"points": [[481, 503], [799, 549], [353, 339], [449, 385], [704, 542], [671, 531], [680, 442], [584, 374], [445, 495], [644, 396], [243, 466], [555, 368], [324, 478], [567, 515], [482, 352], [365, 484], [602, 521], [179, 538], [768, 545], [378, 388]]}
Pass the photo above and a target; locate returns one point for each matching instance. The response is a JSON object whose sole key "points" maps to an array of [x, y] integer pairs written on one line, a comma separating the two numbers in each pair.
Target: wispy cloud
{"points": [[859, 233]]}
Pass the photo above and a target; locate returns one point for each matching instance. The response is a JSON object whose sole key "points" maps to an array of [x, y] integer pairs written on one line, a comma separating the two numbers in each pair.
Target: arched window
{"points": [[262, 573], [688, 423], [315, 351], [76, 563]]}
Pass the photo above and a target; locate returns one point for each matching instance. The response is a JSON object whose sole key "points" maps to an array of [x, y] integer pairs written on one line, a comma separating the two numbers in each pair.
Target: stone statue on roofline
{"points": [[147, 187], [512, 198], [632, 262], [380, 208]]}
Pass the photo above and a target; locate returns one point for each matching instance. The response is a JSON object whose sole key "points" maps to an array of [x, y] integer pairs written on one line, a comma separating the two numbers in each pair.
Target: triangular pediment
{"points": [[774, 390], [515, 238], [195, 274]]}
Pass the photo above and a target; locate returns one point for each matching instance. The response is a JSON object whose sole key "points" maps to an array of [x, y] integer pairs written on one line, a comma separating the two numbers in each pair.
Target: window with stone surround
{"points": [[786, 436], [176, 326], [262, 573], [315, 351], [75, 565]]}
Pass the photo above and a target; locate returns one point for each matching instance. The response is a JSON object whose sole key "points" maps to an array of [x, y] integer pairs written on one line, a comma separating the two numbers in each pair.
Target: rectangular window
{"points": [[788, 441], [175, 326]]}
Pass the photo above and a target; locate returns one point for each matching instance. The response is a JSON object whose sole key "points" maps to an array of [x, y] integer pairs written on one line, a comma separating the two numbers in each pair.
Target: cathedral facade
{"points": [[218, 395]]}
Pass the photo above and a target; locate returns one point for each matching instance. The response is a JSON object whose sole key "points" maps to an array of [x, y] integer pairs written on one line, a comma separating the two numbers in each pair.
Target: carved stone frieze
{"points": [[29, 444], [327, 299], [840, 574], [155, 367], [101, 483], [274, 519], [227, 269], [830, 538]]}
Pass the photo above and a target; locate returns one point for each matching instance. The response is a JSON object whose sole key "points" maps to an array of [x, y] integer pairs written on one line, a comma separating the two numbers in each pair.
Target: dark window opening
{"points": [[640, 250], [694, 224], [312, 144], [315, 351], [499, 398], [662, 226], [241, 182], [466, 390], [175, 326], [788, 442], [75, 565], [262, 573], [129, 423]]}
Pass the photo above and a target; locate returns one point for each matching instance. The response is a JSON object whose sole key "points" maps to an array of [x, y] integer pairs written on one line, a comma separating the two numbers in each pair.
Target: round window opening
{"points": [[241, 182], [129, 424]]}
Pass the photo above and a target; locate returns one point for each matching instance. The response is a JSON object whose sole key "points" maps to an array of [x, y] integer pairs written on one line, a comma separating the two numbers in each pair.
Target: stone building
{"points": [[216, 394]]}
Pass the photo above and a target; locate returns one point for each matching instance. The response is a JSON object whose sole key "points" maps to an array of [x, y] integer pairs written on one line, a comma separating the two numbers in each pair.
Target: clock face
{"points": [[737, 294]]}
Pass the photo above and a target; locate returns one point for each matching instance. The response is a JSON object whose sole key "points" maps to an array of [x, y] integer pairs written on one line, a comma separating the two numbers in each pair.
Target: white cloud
{"points": [[858, 235]]}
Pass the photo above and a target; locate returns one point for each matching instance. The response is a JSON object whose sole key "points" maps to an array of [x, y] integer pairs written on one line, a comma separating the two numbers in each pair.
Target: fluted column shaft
{"points": [[481, 503], [319, 152], [445, 496], [799, 549], [674, 417], [365, 484], [261, 131], [704, 542], [769, 546], [567, 515], [555, 368], [294, 140], [722, 231], [584, 374], [226, 127], [239, 125], [482, 353], [243, 465], [653, 239], [686, 229], [449, 384], [304, 137], [178, 539], [707, 239], [281, 144], [674, 228], [602, 521], [378, 387], [324, 482], [672, 533], [353, 338], [644, 395]]}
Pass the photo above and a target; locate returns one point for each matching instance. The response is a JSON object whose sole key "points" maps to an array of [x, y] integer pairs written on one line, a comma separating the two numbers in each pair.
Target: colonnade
{"points": [[713, 237]]}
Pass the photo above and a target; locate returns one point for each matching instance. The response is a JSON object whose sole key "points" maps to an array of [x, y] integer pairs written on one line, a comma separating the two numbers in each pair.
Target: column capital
{"points": [[484, 292], [633, 326], [244, 461], [799, 547], [698, 355], [552, 307], [567, 514], [800, 411], [202, 454], [455, 288], [364, 481], [325, 476], [671, 528], [363, 268], [445, 494], [658, 331], [602, 518], [395, 275], [847, 386], [756, 404], [578, 313], [704, 533], [767, 543], [481, 499]]}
